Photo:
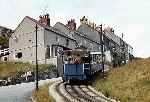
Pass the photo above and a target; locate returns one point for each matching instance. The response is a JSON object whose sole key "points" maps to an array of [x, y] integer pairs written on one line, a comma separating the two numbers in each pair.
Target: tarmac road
{"points": [[19, 92]]}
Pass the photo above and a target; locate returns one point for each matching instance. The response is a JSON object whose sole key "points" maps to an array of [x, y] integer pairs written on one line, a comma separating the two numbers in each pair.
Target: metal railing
{"points": [[4, 52]]}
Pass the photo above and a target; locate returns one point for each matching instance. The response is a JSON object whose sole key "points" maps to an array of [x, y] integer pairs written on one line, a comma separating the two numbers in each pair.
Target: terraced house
{"points": [[53, 40]]}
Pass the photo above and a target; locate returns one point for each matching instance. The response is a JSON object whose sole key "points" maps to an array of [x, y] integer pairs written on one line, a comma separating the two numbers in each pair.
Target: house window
{"points": [[5, 58], [18, 55], [56, 48], [76, 44], [57, 39], [48, 52], [67, 42]]}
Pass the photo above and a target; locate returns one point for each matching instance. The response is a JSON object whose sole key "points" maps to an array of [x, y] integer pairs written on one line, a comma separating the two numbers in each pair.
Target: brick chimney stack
{"points": [[71, 24], [45, 20]]}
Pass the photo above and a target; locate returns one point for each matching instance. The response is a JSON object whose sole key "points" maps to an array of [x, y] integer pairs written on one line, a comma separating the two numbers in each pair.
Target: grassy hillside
{"points": [[130, 83], [8, 69]]}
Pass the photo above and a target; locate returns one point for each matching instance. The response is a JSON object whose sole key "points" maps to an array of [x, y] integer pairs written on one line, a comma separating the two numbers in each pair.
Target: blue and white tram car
{"points": [[76, 65], [80, 65]]}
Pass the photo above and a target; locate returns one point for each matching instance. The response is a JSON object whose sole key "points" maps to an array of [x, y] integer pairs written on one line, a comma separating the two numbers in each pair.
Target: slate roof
{"points": [[50, 28], [78, 33]]}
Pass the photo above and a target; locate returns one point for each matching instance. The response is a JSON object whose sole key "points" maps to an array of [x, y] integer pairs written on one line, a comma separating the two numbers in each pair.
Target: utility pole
{"points": [[102, 47], [123, 49], [37, 87]]}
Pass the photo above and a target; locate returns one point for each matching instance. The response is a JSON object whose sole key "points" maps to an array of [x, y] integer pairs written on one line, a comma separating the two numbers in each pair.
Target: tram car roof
{"points": [[76, 52]]}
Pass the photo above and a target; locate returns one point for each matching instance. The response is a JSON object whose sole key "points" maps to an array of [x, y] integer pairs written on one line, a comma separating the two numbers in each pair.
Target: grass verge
{"points": [[42, 95], [130, 83]]}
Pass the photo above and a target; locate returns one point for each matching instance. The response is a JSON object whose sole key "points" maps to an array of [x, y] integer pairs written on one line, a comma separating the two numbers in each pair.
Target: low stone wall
{"points": [[26, 77]]}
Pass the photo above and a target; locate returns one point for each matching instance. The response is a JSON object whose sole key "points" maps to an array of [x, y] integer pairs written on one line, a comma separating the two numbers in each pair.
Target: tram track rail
{"points": [[79, 93]]}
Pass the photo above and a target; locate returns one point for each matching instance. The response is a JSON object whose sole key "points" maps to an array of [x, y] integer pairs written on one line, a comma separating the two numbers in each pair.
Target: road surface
{"points": [[19, 92]]}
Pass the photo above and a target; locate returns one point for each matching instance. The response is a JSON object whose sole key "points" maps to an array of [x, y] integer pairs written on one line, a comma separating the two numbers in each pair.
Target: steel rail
{"points": [[79, 93]]}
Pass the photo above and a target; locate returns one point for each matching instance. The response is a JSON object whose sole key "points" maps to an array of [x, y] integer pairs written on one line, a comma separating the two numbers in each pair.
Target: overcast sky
{"points": [[131, 17]]}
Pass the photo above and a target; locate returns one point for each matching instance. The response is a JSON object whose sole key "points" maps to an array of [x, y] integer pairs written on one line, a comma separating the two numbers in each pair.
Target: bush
{"points": [[4, 41]]}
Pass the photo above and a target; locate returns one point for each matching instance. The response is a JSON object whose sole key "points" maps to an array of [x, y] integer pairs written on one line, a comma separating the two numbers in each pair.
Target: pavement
{"points": [[20, 92]]}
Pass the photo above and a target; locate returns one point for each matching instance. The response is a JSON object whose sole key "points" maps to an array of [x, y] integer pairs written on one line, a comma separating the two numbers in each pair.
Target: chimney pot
{"points": [[71, 24], [45, 20]]}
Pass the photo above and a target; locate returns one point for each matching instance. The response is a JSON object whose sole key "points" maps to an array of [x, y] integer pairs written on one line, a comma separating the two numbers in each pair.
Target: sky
{"points": [[130, 17]]}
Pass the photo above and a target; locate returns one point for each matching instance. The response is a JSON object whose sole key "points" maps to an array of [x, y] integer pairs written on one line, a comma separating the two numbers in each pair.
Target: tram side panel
{"points": [[74, 72]]}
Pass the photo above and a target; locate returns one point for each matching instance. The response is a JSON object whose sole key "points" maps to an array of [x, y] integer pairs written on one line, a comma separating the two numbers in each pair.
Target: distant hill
{"points": [[130, 83], [5, 33]]}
